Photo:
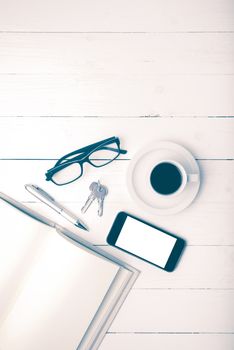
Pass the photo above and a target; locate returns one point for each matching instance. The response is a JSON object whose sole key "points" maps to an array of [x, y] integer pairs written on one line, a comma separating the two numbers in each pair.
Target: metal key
{"points": [[93, 187], [101, 193]]}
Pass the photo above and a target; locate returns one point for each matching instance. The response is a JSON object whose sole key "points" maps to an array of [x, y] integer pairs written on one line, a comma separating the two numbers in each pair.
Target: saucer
{"points": [[138, 178]]}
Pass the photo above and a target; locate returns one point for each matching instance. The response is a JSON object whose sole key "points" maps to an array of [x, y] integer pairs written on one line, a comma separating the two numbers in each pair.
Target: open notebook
{"points": [[56, 290]]}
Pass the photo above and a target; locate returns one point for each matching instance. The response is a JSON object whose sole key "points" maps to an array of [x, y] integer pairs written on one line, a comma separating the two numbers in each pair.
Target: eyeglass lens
{"points": [[67, 174], [104, 155]]}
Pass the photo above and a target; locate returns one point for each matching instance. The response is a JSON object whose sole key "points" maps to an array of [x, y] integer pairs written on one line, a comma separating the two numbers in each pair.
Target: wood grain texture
{"points": [[198, 230], [208, 221], [51, 138], [201, 267], [94, 56], [154, 95], [168, 341], [194, 311], [112, 15], [92, 74], [131, 59]]}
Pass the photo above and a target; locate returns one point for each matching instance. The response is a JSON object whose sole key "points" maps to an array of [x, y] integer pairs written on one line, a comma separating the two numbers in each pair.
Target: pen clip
{"points": [[40, 190]]}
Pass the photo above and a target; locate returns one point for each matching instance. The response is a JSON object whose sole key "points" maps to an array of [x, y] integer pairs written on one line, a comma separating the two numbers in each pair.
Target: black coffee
{"points": [[166, 178]]}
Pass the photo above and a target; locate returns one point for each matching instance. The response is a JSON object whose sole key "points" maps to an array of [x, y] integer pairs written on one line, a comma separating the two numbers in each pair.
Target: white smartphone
{"points": [[145, 241]]}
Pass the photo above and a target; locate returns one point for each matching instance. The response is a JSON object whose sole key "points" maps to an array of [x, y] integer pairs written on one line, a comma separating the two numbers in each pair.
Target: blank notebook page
{"points": [[50, 288]]}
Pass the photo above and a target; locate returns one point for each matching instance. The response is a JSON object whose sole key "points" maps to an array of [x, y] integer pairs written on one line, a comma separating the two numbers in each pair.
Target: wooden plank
{"points": [[213, 229], [200, 267], [95, 56], [73, 95], [131, 75], [168, 341], [208, 220], [106, 15], [176, 311], [114, 175], [51, 138]]}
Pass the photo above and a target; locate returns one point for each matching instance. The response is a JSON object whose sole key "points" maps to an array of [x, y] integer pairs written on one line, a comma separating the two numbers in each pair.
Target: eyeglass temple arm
{"points": [[87, 148], [94, 145], [122, 151]]}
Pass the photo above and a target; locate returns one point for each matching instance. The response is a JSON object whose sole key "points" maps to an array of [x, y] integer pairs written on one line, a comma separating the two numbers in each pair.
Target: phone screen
{"points": [[145, 241]]}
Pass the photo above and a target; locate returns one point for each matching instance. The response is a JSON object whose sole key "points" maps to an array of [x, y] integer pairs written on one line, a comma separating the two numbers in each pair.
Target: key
{"points": [[93, 187], [101, 192]]}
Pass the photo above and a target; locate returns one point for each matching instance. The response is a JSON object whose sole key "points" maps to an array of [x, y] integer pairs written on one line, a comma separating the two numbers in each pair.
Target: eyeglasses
{"points": [[70, 167]]}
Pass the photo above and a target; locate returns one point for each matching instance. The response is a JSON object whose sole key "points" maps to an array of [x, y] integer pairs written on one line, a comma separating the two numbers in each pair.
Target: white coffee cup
{"points": [[170, 186]]}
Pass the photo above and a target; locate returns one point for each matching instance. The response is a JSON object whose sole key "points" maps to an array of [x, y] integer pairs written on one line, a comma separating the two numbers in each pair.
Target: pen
{"points": [[52, 203]]}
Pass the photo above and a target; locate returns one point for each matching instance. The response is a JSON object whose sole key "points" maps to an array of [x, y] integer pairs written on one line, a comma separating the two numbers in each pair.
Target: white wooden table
{"points": [[75, 72]]}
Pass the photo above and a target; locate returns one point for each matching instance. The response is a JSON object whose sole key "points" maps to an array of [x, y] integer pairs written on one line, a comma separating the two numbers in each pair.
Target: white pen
{"points": [[52, 203]]}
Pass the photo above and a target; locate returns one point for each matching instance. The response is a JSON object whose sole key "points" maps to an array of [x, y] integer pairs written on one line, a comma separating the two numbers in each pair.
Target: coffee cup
{"points": [[169, 177]]}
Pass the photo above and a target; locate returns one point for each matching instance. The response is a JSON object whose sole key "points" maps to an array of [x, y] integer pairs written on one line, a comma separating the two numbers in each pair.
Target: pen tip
{"points": [[82, 226]]}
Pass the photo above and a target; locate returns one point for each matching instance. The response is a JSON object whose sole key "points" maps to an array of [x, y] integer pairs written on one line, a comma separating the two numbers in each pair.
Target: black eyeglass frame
{"points": [[84, 157]]}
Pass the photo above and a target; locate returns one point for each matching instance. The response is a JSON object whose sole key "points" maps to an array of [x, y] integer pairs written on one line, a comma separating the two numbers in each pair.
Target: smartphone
{"points": [[145, 241]]}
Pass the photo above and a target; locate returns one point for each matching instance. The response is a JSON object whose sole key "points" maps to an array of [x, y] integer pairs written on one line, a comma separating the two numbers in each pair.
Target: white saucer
{"points": [[138, 178]]}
